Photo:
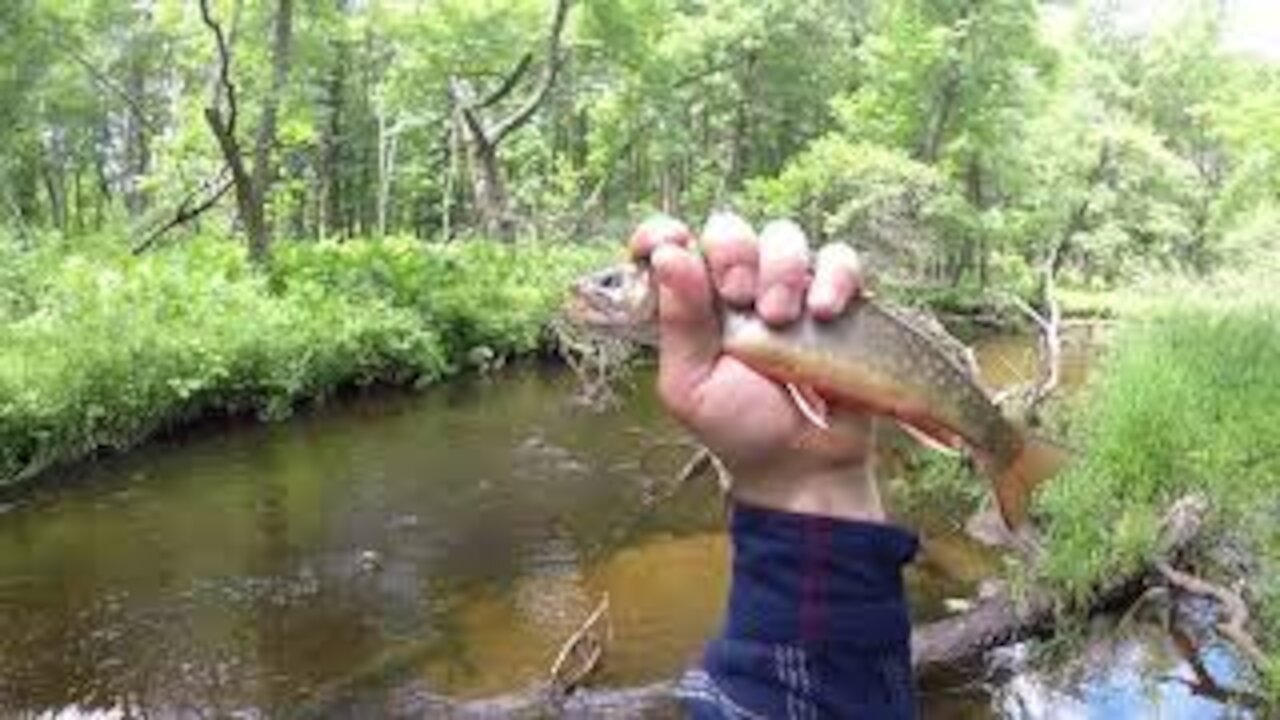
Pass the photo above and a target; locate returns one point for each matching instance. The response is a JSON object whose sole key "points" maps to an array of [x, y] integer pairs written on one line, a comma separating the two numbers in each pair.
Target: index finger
{"points": [[658, 230]]}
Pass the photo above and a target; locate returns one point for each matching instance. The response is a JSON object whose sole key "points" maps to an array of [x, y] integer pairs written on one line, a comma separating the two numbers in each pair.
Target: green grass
{"points": [[100, 350], [1187, 399]]}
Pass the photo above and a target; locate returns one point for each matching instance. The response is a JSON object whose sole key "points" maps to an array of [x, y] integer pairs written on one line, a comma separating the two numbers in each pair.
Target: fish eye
{"points": [[611, 281]]}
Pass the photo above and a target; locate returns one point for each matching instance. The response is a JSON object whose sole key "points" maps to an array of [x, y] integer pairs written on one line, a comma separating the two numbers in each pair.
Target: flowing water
{"points": [[454, 539]]}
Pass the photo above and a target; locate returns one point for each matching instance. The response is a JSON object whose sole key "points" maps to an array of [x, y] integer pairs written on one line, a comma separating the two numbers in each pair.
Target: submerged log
{"points": [[996, 620]]}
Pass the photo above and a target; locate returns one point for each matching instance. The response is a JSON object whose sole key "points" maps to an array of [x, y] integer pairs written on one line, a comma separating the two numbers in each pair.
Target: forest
{"points": [[243, 207]]}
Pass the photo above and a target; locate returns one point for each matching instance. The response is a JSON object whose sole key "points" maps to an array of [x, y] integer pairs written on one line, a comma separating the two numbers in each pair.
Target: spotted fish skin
{"points": [[869, 357]]}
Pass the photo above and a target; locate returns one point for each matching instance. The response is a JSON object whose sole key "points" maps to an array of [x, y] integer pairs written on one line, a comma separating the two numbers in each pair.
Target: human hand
{"points": [[778, 458]]}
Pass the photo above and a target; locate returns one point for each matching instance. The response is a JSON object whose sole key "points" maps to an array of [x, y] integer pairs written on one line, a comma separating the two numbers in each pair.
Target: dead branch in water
{"points": [[1234, 608], [1048, 321], [581, 654]]}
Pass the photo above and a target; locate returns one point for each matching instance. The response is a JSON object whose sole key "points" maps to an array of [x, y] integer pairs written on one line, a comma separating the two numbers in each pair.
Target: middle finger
{"points": [[784, 272]]}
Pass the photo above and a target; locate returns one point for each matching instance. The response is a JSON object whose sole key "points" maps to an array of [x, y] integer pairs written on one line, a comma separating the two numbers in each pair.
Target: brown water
{"points": [[452, 538]]}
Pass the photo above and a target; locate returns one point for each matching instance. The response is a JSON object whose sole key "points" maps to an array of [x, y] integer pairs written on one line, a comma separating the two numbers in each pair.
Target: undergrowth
{"points": [[1185, 400], [99, 349]]}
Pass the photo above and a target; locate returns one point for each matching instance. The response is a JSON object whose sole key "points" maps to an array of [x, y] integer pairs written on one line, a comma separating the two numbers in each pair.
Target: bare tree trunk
{"points": [[57, 197], [137, 144], [263, 166], [329, 214]]}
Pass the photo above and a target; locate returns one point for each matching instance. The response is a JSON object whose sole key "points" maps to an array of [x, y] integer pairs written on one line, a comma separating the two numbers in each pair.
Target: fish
{"points": [[871, 357]]}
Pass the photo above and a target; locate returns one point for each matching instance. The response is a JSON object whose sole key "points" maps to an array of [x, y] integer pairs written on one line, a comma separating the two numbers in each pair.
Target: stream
{"points": [[455, 538]]}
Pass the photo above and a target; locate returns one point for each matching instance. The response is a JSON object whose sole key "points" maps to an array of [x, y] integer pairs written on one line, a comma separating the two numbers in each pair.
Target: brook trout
{"points": [[869, 358]]}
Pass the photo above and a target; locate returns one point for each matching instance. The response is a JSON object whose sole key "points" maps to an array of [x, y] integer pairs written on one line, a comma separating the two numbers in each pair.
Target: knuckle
{"points": [[839, 255]]}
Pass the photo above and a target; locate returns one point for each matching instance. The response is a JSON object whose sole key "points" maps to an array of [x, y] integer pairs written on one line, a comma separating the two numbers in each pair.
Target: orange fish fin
{"points": [[810, 404], [1037, 461], [928, 440]]}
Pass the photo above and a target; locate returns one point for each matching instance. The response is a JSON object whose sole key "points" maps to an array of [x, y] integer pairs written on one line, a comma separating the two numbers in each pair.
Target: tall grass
{"points": [[1186, 399], [99, 349]]}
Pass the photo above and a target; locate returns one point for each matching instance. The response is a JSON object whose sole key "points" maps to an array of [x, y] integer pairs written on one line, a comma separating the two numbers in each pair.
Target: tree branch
{"points": [[224, 72], [1236, 611], [186, 212], [509, 83], [581, 654], [462, 98], [549, 73], [106, 81]]}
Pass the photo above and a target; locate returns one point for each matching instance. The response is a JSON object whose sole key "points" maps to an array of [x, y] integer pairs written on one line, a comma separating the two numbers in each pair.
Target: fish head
{"points": [[619, 301]]}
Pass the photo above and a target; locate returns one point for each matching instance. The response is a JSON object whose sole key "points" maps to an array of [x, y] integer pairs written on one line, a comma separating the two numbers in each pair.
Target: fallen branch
{"points": [[1233, 606], [581, 654], [1049, 373], [189, 209], [1000, 618]]}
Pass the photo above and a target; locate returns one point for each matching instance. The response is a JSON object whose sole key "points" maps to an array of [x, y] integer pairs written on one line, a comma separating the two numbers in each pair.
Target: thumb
{"points": [[689, 328]]}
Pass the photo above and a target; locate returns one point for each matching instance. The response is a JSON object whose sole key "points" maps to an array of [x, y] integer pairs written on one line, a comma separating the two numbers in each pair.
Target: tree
{"points": [[483, 138], [251, 190]]}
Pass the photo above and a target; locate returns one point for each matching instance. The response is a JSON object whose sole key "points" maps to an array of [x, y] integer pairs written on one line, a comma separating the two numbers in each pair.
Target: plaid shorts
{"points": [[817, 623]]}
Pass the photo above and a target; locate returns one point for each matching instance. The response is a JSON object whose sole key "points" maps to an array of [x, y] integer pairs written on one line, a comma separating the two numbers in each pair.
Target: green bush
{"points": [[99, 349], [471, 294], [895, 209], [1184, 401]]}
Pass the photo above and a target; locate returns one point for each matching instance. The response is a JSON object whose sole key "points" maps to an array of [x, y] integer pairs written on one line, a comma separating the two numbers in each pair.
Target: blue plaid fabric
{"points": [[817, 623]]}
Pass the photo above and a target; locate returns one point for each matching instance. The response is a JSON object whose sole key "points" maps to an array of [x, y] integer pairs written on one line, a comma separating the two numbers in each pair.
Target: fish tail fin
{"points": [[1037, 461]]}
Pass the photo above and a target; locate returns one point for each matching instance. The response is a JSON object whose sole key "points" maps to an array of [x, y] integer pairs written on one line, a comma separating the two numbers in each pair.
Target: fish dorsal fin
{"points": [[810, 404]]}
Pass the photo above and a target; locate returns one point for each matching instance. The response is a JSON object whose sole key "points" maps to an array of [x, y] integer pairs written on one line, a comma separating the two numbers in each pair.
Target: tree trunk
{"points": [[263, 165], [493, 203], [329, 216], [57, 197], [490, 188], [137, 143], [931, 144]]}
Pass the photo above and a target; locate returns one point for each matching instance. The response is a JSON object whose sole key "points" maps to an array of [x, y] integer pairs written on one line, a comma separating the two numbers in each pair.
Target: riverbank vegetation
{"points": [[1184, 401], [100, 349]]}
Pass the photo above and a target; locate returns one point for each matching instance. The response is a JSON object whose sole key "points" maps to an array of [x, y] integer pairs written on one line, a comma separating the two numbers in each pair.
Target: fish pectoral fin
{"points": [[811, 405], [928, 440]]}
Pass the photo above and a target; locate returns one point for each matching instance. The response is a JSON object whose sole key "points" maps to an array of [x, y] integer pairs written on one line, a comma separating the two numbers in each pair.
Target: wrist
{"points": [[847, 491]]}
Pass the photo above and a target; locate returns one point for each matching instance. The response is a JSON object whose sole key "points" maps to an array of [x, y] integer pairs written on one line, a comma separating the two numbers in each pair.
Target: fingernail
{"points": [[738, 286], [779, 304], [726, 224]]}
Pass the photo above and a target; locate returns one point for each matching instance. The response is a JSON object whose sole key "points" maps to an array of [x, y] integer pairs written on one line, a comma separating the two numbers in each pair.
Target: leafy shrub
{"points": [[99, 349], [895, 209], [471, 294]]}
